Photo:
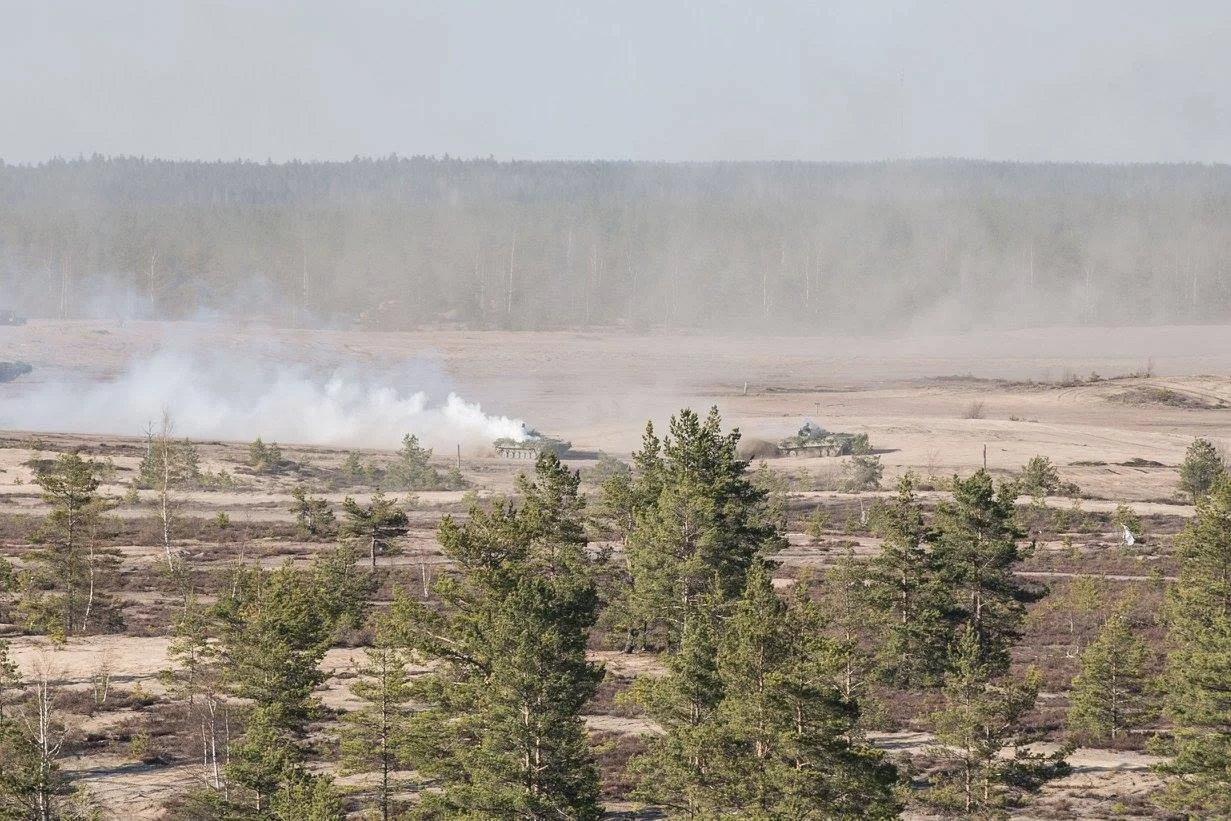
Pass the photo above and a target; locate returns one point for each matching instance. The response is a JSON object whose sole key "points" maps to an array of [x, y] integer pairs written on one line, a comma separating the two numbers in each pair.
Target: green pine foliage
{"points": [[263, 759], [625, 494], [252, 660], [1111, 693], [374, 737], [274, 632], [413, 469], [303, 797], [263, 458], [862, 473], [63, 589], [500, 734], [1198, 673], [1203, 465], [341, 588], [695, 521], [1039, 477], [314, 516], [853, 623], [906, 588], [170, 461], [981, 720], [376, 526], [976, 547], [755, 725], [678, 770]]}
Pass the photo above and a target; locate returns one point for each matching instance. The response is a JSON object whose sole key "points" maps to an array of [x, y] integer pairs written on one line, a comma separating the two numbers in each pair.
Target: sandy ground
{"points": [[912, 396], [599, 389]]}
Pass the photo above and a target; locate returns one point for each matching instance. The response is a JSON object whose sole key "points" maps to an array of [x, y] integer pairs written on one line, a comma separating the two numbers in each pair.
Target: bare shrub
{"points": [[975, 409]]}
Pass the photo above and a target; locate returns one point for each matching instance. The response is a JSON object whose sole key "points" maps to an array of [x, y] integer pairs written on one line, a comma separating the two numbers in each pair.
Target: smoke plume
{"points": [[241, 397]]}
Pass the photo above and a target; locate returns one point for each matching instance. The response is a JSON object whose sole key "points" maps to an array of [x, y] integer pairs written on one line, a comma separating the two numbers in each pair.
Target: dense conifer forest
{"points": [[401, 243]]}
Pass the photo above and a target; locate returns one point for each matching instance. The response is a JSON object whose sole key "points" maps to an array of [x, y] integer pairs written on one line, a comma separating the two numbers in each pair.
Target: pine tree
{"points": [[374, 736], [860, 473], [69, 562], [261, 645], [623, 497], [697, 524], [754, 723], [313, 515], [853, 623], [982, 717], [908, 589], [785, 728], [303, 797], [1039, 477], [377, 525], [1201, 468], [1109, 695], [679, 771], [501, 735], [976, 547], [199, 680], [1198, 674], [265, 758], [273, 636], [413, 469], [341, 588]]}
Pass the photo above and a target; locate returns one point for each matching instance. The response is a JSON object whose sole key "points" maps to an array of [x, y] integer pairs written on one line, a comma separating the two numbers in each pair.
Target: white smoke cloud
{"points": [[241, 397]]}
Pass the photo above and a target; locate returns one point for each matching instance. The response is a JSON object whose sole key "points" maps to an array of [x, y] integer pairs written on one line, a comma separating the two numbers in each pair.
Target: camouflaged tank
{"points": [[814, 440], [11, 370], [530, 446]]}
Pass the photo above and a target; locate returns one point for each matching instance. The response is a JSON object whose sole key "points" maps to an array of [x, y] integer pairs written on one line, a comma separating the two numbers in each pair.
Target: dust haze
{"points": [[244, 394], [870, 362]]}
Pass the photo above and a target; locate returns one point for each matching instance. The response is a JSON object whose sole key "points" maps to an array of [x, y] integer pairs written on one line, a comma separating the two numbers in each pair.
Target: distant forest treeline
{"points": [[782, 247]]}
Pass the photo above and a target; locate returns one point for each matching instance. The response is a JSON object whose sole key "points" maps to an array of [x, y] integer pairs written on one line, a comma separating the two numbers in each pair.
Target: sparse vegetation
{"points": [[885, 613], [263, 458]]}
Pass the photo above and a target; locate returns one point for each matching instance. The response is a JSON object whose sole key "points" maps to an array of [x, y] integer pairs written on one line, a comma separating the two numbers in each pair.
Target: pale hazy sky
{"points": [[1098, 80]]}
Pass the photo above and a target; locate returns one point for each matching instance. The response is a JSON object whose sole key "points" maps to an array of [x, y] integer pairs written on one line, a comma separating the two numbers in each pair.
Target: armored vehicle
{"points": [[11, 318], [11, 370], [530, 445], [814, 440]]}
